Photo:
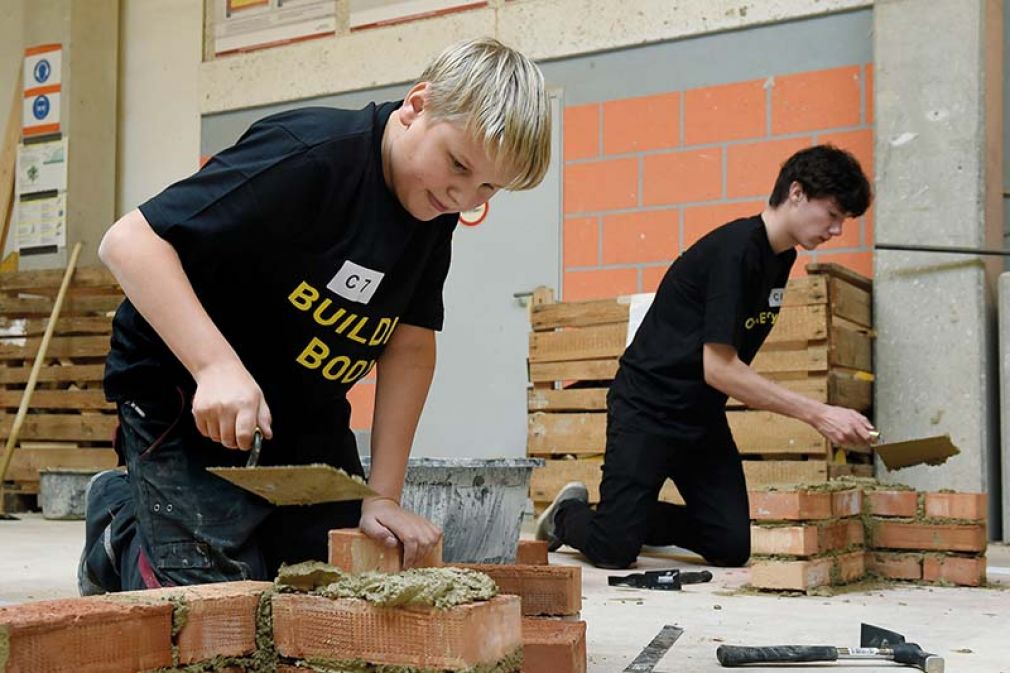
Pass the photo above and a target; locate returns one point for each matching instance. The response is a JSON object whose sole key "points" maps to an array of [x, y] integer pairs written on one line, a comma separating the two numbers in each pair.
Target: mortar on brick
{"points": [[265, 658], [441, 588]]}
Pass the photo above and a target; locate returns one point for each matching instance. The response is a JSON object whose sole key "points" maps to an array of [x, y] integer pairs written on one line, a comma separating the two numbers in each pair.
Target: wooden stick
{"points": [[26, 397]]}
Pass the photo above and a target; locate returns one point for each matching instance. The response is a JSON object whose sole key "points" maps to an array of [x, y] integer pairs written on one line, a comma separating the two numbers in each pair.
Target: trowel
{"points": [[293, 484], [929, 450]]}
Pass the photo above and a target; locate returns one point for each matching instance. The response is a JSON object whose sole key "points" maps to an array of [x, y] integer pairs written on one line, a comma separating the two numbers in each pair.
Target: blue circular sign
{"points": [[42, 71], [40, 107]]}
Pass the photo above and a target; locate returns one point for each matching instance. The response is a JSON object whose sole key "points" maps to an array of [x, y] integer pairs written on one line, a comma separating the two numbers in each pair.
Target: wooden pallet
{"points": [[69, 423], [821, 347]]}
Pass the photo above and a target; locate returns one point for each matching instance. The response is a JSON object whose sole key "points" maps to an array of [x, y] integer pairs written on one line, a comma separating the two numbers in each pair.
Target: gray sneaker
{"points": [[573, 490], [97, 531]]}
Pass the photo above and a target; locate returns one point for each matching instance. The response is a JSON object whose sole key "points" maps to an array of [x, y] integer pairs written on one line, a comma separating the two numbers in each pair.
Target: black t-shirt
{"points": [[302, 257], [725, 289]]}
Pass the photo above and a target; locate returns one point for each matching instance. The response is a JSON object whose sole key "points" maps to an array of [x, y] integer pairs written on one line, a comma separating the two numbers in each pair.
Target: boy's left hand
{"points": [[384, 520]]}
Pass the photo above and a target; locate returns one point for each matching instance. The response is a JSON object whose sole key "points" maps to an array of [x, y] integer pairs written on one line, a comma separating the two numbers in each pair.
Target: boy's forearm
{"points": [[151, 275], [403, 378], [736, 379]]}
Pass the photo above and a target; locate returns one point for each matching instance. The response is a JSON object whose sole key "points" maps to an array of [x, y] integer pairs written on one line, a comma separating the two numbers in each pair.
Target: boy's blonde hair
{"points": [[498, 96]]}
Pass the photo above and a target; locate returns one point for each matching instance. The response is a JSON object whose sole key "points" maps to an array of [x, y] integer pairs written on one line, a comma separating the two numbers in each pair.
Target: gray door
{"points": [[477, 404]]}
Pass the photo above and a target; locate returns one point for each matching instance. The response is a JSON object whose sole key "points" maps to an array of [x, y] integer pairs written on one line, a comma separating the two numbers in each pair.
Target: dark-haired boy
{"points": [[666, 408]]}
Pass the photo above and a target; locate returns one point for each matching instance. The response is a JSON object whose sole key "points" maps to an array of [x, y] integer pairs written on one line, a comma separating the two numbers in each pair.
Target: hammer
{"points": [[875, 643]]}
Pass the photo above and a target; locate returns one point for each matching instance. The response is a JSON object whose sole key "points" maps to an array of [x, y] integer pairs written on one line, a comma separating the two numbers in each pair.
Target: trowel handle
{"points": [[735, 655], [254, 453]]}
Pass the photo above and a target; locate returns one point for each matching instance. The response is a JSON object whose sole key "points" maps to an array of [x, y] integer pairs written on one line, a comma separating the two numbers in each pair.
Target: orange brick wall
{"points": [[646, 177]]}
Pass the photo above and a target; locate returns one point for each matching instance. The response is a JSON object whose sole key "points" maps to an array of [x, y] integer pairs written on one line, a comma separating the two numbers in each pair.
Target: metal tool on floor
{"points": [[293, 484], [875, 644], [662, 580], [657, 648]]}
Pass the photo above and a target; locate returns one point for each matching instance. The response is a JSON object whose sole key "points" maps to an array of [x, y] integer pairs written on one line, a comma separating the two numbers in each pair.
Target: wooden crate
{"points": [[69, 423], [821, 347]]}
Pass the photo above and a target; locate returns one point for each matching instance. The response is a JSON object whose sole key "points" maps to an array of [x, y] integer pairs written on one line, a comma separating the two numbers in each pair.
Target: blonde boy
{"points": [[260, 289]]}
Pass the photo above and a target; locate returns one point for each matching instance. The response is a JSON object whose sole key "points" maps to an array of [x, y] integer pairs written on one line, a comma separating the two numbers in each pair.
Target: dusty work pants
{"points": [[167, 521], [708, 472]]}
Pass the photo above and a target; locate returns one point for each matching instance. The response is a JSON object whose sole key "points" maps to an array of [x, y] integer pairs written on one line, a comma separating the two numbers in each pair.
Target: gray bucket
{"points": [[477, 503], [61, 491]]}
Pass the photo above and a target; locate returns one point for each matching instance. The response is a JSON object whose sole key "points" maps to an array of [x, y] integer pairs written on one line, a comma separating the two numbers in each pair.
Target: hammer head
{"points": [[904, 653]]}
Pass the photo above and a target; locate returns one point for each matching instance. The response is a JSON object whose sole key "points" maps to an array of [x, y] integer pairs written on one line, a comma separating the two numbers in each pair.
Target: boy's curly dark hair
{"points": [[825, 171]]}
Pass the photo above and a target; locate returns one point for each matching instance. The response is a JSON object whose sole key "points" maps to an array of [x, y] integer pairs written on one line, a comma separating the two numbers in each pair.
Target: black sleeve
{"points": [[426, 308], [724, 297], [266, 183]]}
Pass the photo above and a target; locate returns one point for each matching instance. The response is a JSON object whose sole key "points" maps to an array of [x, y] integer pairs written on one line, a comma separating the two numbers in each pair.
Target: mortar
{"points": [[478, 503], [61, 491]]}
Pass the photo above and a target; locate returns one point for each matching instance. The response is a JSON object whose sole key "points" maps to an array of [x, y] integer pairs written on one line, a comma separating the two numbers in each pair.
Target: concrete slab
{"points": [[38, 560]]}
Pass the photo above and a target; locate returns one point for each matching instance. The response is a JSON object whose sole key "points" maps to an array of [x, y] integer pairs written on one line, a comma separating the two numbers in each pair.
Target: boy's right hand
{"points": [[844, 427], [228, 406]]}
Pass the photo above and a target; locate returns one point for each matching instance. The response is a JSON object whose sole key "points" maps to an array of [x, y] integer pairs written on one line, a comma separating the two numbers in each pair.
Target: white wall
{"points": [[159, 110]]}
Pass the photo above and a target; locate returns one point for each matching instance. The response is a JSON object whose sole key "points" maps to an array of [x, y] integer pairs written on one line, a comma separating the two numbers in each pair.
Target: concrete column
{"points": [[938, 170]]}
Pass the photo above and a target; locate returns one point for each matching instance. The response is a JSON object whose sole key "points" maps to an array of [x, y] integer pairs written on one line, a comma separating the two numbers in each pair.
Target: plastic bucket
{"points": [[61, 492]]}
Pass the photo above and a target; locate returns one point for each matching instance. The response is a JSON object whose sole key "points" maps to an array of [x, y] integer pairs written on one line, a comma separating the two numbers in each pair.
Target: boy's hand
{"points": [[844, 427], [384, 520], [228, 406]]}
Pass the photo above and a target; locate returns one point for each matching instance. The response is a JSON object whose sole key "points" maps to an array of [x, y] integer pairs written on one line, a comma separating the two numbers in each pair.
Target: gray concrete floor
{"points": [[968, 627]]}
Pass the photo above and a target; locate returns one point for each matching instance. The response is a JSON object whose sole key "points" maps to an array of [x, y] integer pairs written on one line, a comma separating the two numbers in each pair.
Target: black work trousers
{"points": [[714, 520]]}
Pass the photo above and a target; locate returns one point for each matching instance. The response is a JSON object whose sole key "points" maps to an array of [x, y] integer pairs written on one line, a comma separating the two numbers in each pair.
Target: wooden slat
{"points": [[583, 370], [838, 388], [577, 434], [575, 399], [95, 277], [586, 343], [91, 400], [766, 433], [807, 359], [851, 303], [58, 374], [29, 327], [548, 480], [816, 388], [842, 272], [579, 314], [806, 291], [761, 473], [59, 347], [851, 348], [63, 427], [851, 470], [800, 323], [26, 463], [72, 306]]}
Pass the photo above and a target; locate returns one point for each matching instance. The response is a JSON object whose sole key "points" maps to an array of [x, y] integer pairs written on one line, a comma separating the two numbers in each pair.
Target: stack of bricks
{"points": [[550, 596], [932, 537], [802, 540], [805, 539]]}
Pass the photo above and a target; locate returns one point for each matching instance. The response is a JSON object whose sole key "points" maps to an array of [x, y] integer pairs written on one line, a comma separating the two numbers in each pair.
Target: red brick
{"points": [[849, 567], [553, 646], [700, 220], [805, 540], [964, 506], [362, 399], [220, 618], [354, 552], [847, 503], [860, 262], [727, 112], [894, 566], [581, 241], [868, 235], [462, 637], [790, 505], [960, 570], [887, 534], [532, 552], [892, 503], [88, 635], [751, 168], [601, 185], [808, 574], [582, 132], [646, 236], [679, 177], [869, 92], [544, 590], [599, 283], [640, 124], [820, 99], [652, 276]]}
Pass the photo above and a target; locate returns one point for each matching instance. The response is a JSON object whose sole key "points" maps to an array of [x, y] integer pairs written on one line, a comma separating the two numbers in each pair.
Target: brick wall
{"points": [[646, 177]]}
